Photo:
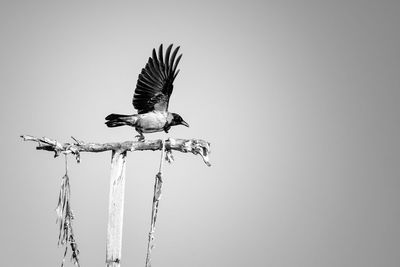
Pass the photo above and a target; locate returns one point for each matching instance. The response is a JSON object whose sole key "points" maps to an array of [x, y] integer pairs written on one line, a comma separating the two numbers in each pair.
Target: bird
{"points": [[151, 96]]}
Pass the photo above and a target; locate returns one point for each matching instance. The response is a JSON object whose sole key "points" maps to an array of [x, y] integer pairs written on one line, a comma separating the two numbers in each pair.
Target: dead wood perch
{"points": [[195, 146], [117, 177]]}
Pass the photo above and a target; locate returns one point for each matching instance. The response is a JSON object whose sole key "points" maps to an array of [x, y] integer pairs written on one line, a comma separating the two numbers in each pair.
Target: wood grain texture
{"points": [[116, 209], [194, 146]]}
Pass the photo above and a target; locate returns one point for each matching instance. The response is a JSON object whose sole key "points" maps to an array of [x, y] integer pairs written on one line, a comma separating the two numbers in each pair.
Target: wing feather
{"points": [[158, 64], [171, 62], [155, 82], [176, 65], [167, 53], [176, 74], [155, 71], [150, 79]]}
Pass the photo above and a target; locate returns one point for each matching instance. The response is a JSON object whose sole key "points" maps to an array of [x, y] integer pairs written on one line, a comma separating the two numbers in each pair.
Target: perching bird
{"points": [[151, 98]]}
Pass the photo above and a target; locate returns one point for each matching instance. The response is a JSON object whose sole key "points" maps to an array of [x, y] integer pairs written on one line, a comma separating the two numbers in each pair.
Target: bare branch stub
{"points": [[194, 146]]}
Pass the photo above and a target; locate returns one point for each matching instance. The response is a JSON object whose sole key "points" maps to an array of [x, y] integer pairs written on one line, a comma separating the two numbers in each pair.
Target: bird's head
{"points": [[177, 120]]}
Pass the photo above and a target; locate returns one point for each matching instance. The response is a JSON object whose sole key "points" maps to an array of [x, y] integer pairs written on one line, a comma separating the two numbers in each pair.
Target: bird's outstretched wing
{"points": [[155, 83]]}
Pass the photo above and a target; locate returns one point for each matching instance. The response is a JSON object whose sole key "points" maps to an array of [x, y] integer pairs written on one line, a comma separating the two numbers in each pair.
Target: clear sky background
{"points": [[299, 99]]}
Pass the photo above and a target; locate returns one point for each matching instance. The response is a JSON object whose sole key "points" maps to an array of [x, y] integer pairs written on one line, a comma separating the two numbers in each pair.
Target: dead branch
{"points": [[195, 146]]}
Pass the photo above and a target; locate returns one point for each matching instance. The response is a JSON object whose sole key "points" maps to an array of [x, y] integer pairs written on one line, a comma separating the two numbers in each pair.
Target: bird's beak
{"points": [[184, 123]]}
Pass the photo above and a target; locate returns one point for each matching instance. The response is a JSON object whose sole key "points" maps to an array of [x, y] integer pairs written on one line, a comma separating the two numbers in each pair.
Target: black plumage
{"points": [[155, 83], [151, 98]]}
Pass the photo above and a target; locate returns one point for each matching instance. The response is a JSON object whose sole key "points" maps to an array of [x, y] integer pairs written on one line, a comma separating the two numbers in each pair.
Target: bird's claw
{"points": [[140, 137]]}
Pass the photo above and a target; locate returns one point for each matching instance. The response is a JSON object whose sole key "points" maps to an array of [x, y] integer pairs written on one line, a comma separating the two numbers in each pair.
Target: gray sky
{"points": [[299, 99]]}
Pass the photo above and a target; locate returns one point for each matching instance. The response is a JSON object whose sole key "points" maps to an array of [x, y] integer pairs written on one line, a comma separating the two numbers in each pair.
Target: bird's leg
{"points": [[166, 128], [140, 136]]}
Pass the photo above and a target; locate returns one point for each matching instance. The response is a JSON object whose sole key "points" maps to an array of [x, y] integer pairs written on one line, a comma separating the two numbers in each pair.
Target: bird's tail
{"points": [[116, 120]]}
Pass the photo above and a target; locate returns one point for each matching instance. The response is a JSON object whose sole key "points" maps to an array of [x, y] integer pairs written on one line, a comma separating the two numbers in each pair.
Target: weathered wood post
{"points": [[117, 176], [116, 208]]}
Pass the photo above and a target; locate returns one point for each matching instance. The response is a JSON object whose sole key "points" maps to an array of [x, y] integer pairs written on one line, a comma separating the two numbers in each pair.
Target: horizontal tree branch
{"points": [[195, 146]]}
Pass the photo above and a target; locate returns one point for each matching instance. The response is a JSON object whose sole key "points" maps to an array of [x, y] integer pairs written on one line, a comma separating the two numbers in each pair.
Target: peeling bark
{"points": [[195, 146]]}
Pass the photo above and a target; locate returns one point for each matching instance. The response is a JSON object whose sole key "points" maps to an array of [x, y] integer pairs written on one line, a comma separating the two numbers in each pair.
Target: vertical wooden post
{"points": [[115, 209], [117, 179]]}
